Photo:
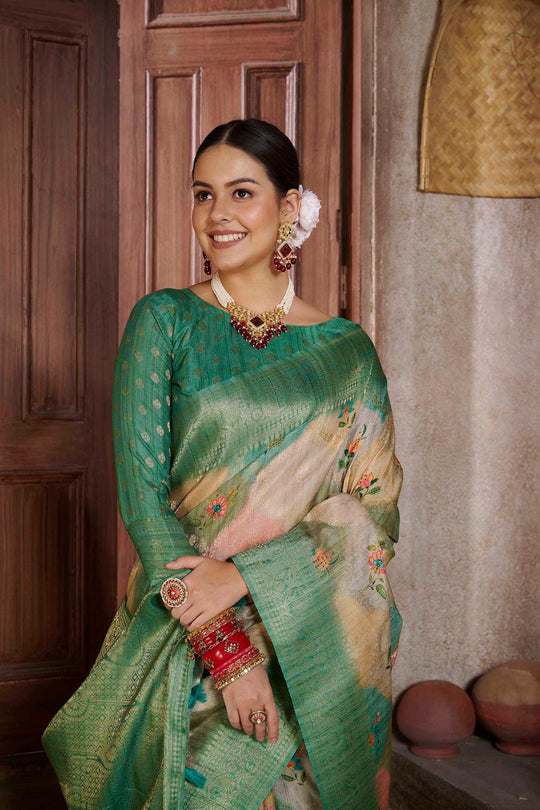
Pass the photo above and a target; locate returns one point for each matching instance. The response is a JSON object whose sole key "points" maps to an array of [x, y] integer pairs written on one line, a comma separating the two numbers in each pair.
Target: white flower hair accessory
{"points": [[308, 216]]}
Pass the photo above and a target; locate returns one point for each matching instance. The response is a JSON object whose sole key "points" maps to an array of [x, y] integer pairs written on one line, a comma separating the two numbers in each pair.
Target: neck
{"points": [[256, 290]]}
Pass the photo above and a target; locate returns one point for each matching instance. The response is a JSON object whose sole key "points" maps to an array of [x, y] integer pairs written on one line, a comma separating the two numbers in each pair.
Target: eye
{"points": [[202, 196], [243, 193]]}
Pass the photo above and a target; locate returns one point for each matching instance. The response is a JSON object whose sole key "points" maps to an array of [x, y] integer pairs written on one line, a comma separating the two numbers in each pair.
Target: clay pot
{"points": [[435, 716], [507, 702]]}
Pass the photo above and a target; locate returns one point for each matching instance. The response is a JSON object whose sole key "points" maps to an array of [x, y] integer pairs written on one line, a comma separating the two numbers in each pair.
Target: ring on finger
{"points": [[174, 592], [258, 717]]}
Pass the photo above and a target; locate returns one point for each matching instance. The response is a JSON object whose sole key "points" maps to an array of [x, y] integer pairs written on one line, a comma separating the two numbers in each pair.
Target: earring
{"points": [[284, 254], [207, 265]]}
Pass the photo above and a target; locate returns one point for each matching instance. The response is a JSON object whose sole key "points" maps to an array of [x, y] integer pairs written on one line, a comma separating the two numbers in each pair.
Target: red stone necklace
{"points": [[257, 328]]}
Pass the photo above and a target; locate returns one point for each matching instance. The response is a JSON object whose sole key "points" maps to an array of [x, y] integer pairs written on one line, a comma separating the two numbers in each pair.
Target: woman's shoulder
{"points": [[168, 311], [163, 298], [165, 303], [357, 344], [349, 337]]}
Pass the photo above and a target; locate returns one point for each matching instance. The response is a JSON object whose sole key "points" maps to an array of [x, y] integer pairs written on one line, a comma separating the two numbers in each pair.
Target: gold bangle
{"points": [[221, 683], [212, 624]]}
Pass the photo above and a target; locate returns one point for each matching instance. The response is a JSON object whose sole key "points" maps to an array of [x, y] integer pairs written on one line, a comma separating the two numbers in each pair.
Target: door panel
{"points": [[173, 99], [58, 254], [56, 83], [219, 12]]}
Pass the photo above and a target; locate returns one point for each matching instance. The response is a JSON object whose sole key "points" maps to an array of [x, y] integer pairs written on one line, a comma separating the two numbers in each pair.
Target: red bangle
{"points": [[243, 664], [206, 637], [211, 639], [225, 652], [235, 662]]}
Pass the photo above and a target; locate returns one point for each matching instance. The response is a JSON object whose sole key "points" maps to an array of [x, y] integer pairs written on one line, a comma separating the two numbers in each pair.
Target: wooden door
{"points": [[188, 65], [58, 260]]}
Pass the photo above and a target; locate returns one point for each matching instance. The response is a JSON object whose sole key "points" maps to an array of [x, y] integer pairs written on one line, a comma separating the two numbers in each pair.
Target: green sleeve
{"points": [[142, 435]]}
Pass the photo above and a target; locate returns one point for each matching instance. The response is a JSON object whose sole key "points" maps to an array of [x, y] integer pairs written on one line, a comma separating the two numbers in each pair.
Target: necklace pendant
{"points": [[257, 329]]}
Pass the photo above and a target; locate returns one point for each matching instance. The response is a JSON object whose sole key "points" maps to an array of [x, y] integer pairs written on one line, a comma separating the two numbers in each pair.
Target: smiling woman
{"points": [[246, 424], [237, 211]]}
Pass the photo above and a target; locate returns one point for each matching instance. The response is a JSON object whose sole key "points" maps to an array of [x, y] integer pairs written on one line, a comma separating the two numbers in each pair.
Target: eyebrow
{"points": [[227, 185]]}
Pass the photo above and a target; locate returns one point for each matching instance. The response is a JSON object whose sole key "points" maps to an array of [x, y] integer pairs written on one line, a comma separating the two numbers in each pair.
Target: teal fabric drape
{"points": [[282, 460]]}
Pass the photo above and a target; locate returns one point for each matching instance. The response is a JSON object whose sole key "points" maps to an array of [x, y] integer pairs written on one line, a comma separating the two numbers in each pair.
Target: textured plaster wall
{"points": [[455, 299]]}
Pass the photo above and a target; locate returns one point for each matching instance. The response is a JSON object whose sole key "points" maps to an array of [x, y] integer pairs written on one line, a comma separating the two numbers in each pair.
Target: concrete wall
{"points": [[455, 289]]}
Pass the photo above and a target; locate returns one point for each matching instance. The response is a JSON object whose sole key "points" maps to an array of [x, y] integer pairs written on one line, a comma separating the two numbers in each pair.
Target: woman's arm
{"points": [[142, 444], [142, 435]]}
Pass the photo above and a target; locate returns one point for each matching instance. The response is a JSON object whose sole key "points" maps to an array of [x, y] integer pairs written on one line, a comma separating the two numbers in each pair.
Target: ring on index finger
{"points": [[258, 717], [174, 592]]}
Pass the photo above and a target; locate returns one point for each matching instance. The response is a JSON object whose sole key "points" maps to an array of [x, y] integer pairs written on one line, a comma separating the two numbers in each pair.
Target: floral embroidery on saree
{"points": [[366, 485], [294, 772], [346, 415], [377, 571], [323, 559], [353, 447]]}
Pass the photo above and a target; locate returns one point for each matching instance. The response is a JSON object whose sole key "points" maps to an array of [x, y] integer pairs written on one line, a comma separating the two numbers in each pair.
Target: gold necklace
{"points": [[257, 328]]}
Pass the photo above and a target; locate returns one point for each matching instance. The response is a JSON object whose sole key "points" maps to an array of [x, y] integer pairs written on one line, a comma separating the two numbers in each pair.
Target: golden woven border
{"points": [[467, 146]]}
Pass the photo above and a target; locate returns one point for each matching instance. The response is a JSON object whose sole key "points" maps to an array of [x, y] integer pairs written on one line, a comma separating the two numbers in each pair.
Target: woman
{"points": [[256, 469]]}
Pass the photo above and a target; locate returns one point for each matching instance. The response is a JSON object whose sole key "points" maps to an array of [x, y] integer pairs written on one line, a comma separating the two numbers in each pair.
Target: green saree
{"points": [[283, 461]]}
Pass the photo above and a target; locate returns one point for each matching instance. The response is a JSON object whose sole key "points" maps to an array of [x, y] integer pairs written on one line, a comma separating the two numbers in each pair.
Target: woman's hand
{"points": [[250, 693], [213, 586]]}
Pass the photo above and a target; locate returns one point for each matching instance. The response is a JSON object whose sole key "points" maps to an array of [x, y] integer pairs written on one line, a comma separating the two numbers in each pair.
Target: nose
{"points": [[220, 211]]}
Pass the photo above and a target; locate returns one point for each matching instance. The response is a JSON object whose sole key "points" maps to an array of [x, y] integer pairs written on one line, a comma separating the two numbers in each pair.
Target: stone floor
{"points": [[480, 778]]}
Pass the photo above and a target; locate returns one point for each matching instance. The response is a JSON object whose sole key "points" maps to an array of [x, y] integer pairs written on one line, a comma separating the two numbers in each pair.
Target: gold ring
{"points": [[258, 717], [174, 592]]}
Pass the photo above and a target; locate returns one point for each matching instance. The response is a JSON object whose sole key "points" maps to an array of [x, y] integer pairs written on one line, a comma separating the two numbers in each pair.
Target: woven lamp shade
{"points": [[481, 121]]}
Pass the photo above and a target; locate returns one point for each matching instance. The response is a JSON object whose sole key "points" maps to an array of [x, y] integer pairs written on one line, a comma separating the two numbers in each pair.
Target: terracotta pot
{"points": [[507, 702], [435, 716]]}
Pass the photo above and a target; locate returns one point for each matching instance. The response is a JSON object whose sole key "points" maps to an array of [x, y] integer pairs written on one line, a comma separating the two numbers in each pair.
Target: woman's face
{"points": [[236, 212]]}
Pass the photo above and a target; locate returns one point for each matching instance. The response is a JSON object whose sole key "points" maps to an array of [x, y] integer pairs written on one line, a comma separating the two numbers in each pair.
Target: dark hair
{"points": [[264, 142]]}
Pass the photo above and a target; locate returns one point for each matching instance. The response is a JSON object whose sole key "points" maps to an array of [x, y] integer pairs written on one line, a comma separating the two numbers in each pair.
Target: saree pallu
{"points": [[283, 461]]}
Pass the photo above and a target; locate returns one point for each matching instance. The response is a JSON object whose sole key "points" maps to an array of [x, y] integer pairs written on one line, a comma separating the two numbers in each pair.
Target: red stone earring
{"points": [[207, 265], [284, 254]]}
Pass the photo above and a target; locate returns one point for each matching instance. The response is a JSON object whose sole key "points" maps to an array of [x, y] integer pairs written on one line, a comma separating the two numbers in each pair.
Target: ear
{"points": [[289, 206]]}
